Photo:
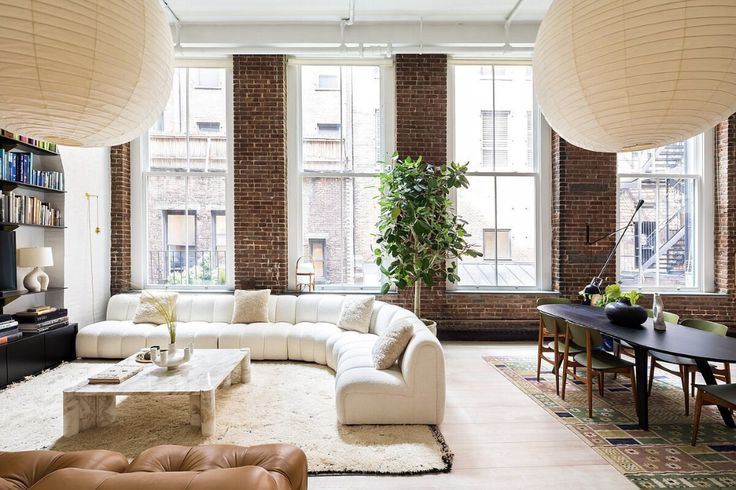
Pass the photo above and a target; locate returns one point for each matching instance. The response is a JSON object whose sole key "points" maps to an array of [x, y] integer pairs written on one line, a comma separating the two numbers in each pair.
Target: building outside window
{"points": [[664, 247], [185, 176], [494, 131], [337, 185]]}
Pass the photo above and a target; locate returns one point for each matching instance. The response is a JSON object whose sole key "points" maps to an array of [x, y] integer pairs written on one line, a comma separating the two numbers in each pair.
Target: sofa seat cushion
{"points": [[113, 339], [265, 340], [308, 341], [204, 335]]}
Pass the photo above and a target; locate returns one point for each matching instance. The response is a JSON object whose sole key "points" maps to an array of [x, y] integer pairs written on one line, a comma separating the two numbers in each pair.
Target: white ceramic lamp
{"points": [[36, 257]]}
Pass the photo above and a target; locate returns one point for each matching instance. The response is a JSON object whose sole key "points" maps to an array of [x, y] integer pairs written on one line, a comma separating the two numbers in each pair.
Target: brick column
{"points": [[583, 192], [120, 261], [421, 106], [724, 228], [259, 177]]}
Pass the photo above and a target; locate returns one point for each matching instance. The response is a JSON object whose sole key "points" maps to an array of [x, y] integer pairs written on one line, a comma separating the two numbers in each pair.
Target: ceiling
{"points": [[291, 11]]}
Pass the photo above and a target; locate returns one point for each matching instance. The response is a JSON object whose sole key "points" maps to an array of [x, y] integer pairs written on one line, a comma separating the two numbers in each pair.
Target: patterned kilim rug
{"points": [[659, 458]]}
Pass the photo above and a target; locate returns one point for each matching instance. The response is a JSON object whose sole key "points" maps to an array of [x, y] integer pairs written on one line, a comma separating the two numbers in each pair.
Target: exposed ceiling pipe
{"points": [[507, 20], [351, 13]]}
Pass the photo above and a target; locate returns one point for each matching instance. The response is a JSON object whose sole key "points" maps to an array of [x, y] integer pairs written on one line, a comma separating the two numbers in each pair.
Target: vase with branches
{"points": [[420, 238], [165, 306]]}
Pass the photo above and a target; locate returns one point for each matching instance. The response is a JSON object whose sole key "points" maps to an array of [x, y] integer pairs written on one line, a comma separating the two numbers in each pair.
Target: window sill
{"points": [[503, 291], [686, 293], [338, 291]]}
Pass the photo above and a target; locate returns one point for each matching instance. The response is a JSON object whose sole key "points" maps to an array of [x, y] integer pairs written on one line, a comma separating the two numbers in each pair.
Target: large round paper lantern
{"points": [[624, 75], [83, 72]]}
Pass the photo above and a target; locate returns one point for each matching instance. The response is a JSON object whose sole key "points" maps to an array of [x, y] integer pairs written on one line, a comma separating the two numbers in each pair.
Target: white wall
{"points": [[86, 170]]}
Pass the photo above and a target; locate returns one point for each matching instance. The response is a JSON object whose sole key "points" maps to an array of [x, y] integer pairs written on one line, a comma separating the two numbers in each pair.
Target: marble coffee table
{"points": [[93, 405]]}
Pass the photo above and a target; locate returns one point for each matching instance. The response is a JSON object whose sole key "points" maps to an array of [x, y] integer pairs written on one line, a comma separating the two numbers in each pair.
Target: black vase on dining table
{"points": [[623, 313]]}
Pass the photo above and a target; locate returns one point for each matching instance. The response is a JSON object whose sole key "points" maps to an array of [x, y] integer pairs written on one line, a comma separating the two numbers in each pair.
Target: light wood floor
{"points": [[500, 437]]}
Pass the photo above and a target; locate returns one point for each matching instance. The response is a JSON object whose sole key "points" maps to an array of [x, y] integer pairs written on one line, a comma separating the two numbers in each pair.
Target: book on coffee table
{"points": [[114, 374]]}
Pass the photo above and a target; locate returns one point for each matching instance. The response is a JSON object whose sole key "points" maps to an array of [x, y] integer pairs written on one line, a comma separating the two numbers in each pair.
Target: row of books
{"points": [[8, 329], [18, 167], [45, 145], [40, 320], [23, 209]]}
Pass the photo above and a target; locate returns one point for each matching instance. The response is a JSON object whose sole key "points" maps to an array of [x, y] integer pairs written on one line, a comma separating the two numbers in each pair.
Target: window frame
{"points": [[296, 173], [139, 152], [542, 173], [704, 205]]}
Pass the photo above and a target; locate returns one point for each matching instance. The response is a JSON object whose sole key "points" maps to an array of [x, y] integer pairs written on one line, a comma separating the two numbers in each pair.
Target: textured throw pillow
{"points": [[251, 306], [391, 344], [356, 313], [146, 312]]}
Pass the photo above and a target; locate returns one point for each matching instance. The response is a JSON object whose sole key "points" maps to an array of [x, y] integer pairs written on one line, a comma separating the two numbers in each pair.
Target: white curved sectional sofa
{"points": [[300, 328]]}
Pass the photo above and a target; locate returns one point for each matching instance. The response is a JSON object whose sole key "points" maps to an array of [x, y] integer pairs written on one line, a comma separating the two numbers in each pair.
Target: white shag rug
{"points": [[284, 402]]}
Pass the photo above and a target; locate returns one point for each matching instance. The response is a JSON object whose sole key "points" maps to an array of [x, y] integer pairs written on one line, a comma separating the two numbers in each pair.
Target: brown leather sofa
{"points": [[222, 467]]}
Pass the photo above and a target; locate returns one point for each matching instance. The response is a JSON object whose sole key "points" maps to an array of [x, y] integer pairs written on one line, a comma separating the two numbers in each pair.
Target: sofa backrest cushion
{"points": [[286, 308]]}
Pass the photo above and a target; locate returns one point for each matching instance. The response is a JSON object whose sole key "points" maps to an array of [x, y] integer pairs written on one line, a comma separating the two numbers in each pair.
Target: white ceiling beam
{"points": [[443, 37]]}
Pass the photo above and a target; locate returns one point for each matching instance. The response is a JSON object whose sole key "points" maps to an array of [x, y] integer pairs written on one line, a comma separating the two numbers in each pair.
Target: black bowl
{"points": [[625, 315]]}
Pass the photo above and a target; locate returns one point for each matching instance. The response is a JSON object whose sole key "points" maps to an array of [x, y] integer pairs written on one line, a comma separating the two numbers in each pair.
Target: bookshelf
{"points": [[41, 160]]}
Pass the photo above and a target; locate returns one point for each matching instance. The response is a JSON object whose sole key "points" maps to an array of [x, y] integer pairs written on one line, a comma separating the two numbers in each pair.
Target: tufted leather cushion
{"points": [[268, 467], [287, 464], [22, 470]]}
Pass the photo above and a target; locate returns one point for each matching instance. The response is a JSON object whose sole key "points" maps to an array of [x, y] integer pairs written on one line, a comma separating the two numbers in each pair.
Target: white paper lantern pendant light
{"points": [[625, 75], [83, 72]]}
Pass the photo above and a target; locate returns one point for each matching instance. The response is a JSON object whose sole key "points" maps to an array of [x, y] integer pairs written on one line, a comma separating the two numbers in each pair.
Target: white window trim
{"points": [[542, 148], [704, 214], [139, 155], [294, 156]]}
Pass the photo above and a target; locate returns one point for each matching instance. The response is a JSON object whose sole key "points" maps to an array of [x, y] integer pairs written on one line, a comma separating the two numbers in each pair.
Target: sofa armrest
{"points": [[21, 470], [286, 461], [423, 367]]}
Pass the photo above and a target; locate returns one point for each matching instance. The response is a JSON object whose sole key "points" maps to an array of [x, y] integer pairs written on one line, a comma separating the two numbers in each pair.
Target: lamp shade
{"points": [[625, 75], [35, 257], [83, 72]]}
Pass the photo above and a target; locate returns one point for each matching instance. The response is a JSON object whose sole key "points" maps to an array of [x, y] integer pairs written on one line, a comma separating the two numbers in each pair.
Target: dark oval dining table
{"points": [[676, 339]]}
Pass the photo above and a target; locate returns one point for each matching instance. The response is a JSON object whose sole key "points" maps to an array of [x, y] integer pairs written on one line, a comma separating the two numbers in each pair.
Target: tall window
{"points": [[494, 131], [337, 172], [663, 248], [185, 176]]}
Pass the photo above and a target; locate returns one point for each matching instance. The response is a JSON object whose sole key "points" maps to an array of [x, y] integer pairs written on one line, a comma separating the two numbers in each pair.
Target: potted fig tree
{"points": [[420, 238]]}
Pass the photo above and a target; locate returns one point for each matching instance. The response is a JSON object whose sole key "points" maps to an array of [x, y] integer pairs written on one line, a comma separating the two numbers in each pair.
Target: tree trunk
{"points": [[417, 298]]}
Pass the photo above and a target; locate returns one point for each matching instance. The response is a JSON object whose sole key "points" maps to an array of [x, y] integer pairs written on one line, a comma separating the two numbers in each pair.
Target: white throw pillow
{"points": [[146, 312], [356, 313], [251, 306], [392, 343]]}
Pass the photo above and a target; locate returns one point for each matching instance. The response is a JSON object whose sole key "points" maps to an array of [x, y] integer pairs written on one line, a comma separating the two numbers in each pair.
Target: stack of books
{"points": [[41, 319], [8, 329], [18, 167], [18, 208], [30, 141]]}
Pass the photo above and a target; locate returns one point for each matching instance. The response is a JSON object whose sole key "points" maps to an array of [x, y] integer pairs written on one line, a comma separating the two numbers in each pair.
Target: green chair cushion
{"points": [[661, 356], [724, 392], [573, 349], [602, 360]]}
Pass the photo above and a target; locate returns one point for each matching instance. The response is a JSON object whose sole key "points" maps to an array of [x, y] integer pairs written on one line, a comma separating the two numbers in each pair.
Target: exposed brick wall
{"points": [[584, 193], [421, 106], [259, 176], [120, 258]]}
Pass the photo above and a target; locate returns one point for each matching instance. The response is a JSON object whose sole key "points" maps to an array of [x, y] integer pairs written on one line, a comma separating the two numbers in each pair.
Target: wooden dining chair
{"points": [[722, 395], [594, 360], [551, 339], [686, 367]]}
